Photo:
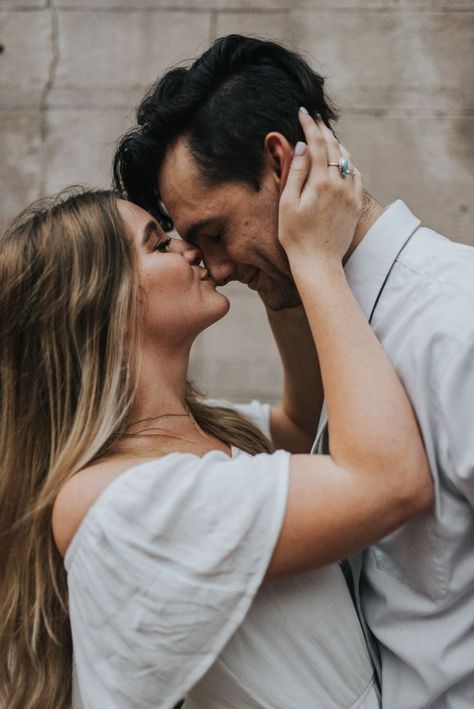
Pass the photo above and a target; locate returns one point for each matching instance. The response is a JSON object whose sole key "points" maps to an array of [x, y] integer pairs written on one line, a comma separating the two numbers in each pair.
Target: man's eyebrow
{"points": [[150, 228], [192, 232]]}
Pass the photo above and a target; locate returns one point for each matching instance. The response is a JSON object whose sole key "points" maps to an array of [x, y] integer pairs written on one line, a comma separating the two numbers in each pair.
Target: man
{"points": [[210, 154]]}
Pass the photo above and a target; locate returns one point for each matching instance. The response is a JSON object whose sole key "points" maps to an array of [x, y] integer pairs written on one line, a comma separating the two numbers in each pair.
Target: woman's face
{"points": [[181, 300]]}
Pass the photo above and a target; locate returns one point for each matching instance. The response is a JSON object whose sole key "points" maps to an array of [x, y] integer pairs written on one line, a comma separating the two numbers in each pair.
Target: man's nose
{"points": [[221, 270]]}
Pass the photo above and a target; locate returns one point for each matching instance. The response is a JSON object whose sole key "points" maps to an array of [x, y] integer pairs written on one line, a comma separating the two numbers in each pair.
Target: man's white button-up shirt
{"points": [[417, 585]]}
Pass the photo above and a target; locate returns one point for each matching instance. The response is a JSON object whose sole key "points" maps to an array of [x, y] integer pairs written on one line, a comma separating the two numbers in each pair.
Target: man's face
{"points": [[234, 226]]}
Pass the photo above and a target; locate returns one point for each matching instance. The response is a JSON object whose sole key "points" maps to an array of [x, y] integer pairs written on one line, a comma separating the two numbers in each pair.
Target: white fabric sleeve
{"points": [[257, 412], [164, 568]]}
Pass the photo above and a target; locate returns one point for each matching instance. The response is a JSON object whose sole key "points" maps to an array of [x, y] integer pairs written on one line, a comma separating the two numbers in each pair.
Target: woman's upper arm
{"points": [[327, 511], [75, 498], [332, 512], [190, 535]]}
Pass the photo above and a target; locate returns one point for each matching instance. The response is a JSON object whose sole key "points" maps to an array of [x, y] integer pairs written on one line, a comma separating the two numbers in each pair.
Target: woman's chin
{"points": [[215, 312], [225, 305], [219, 309]]}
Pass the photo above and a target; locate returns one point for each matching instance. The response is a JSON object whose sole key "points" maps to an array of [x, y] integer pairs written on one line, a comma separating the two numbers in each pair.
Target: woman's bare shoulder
{"points": [[79, 493]]}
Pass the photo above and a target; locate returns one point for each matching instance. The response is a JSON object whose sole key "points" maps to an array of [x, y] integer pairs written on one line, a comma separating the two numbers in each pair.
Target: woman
{"points": [[184, 536]]}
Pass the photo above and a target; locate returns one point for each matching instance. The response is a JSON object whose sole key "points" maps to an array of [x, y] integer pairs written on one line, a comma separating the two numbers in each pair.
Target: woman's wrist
{"points": [[305, 265]]}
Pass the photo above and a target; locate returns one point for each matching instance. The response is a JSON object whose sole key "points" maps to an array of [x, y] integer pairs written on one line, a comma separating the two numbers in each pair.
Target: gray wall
{"points": [[401, 71]]}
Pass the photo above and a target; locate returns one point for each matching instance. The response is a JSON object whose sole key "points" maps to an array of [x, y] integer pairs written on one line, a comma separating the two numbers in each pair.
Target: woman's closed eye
{"points": [[162, 244]]}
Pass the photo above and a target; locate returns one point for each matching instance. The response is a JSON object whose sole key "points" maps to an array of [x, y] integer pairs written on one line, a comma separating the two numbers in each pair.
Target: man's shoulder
{"points": [[425, 315], [432, 282], [432, 257]]}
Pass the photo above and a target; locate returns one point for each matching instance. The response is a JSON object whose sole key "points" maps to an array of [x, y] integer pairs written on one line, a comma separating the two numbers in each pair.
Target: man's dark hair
{"points": [[224, 104]]}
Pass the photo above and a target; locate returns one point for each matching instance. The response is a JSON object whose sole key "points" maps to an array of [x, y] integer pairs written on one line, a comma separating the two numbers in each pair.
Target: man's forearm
{"points": [[302, 396]]}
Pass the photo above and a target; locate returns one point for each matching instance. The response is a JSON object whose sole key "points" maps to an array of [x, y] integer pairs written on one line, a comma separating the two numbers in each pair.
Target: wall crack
{"points": [[45, 93]]}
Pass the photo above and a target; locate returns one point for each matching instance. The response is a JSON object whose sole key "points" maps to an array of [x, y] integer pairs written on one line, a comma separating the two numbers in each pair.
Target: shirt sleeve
{"points": [[164, 568], [456, 416], [256, 411]]}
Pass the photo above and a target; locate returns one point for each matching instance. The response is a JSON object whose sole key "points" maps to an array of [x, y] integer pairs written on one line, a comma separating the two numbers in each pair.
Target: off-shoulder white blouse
{"points": [[165, 595]]}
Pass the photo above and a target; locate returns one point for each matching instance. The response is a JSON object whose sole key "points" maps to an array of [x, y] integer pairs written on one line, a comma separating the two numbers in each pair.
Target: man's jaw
{"points": [[246, 277], [251, 279]]}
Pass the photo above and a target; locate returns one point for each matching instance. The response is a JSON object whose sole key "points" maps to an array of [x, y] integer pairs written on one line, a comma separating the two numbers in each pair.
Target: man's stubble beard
{"points": [[282, 295], [283, 292]]}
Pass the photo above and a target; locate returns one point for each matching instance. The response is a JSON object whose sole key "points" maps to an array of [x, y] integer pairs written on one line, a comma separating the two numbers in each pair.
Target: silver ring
{"points": [[343, 165]]}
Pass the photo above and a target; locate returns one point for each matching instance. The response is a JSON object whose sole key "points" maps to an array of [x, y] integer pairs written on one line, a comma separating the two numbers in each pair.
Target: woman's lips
{"points": [[204, 274]]}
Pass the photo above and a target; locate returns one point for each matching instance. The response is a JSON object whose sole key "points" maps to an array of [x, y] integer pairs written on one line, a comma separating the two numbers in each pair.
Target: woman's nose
{"points": [[190, 252]]}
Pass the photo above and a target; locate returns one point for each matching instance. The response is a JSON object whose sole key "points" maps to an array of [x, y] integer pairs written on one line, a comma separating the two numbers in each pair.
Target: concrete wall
{"points": [[401, 71]]}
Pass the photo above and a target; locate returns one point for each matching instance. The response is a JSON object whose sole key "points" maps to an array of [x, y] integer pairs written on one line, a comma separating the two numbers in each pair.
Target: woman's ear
{"points": [[278, 154]]}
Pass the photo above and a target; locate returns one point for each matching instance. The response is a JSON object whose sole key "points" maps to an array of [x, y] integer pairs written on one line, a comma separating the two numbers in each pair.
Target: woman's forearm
{"points": [[370, 418], [376, 476]]}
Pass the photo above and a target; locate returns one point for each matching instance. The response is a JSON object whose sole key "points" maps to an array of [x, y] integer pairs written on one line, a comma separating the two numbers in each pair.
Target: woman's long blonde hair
{"points": [[69, 299]]}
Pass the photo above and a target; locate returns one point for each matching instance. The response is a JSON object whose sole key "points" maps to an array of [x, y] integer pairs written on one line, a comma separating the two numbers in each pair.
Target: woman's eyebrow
{"points": [[150, 228]]}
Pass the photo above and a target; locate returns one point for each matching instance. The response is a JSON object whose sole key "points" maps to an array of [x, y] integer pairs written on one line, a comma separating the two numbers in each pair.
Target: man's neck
{"points": [[371, 211]]}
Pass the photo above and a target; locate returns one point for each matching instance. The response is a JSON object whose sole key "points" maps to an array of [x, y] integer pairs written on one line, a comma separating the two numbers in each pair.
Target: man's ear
{"points": [[278, 154]]}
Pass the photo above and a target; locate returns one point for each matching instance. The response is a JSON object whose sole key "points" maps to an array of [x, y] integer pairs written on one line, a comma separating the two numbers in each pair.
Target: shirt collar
{"points": [[369, 265]]}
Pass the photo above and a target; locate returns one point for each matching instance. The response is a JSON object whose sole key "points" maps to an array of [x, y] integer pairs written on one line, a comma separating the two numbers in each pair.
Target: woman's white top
{"points": [[165, 595]]}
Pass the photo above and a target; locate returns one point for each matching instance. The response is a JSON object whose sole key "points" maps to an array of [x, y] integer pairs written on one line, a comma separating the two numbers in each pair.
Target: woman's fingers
{"points": [[333, 149], [297, 174], [345, 154], [358, 185], [355, 176], [325, 152], [317, 145], [319, 206]]}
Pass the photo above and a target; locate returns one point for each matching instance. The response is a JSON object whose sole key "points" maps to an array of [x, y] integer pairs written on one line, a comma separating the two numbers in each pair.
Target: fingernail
{"points": [[318, 117], [300, 148], [304, 110]]}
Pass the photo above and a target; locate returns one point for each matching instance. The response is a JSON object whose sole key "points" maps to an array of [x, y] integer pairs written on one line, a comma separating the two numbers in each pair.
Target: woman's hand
{"points": [[319, 209]]}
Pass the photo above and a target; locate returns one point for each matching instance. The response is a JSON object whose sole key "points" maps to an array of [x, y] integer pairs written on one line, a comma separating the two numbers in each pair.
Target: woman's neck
{"points": [[161, 421], [162, 382]]}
